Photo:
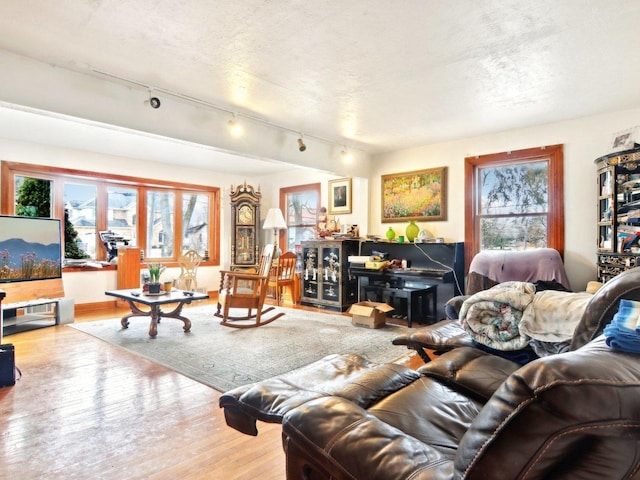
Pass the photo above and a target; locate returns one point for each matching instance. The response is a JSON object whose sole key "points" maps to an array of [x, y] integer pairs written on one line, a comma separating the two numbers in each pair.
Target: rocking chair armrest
{"points": [[246, 276], [233, 272]]}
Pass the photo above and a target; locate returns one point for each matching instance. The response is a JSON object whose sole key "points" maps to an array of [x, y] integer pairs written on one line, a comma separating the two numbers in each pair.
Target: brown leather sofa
{"points": [[473, 415]]}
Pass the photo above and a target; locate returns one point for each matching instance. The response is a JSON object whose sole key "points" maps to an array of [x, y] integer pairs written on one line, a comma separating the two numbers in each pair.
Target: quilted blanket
{"points": [[553, 315], [492, 317], [551, 318]]}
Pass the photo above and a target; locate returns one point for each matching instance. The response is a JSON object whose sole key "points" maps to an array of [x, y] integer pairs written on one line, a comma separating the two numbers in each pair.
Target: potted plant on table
{"points": [[155, 269]]}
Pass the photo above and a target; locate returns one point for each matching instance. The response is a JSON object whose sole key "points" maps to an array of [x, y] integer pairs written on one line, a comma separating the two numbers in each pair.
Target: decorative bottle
{"points": [[391, 234], [412, 231]]}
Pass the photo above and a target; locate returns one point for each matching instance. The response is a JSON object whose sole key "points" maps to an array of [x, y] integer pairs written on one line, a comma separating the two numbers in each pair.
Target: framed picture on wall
{"points": [[419, 195], [623, 140], [340, 196]]}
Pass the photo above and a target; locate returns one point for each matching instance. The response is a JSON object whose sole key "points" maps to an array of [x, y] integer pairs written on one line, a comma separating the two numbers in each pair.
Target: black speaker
{"points": [[7, 365]]}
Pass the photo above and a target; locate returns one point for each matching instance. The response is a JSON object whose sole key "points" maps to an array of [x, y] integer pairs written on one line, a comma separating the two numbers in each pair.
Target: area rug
{"points": [[224, 357]]}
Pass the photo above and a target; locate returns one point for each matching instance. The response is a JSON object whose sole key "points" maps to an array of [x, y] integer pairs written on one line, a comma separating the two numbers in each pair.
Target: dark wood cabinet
{"points": [[326, 280]]}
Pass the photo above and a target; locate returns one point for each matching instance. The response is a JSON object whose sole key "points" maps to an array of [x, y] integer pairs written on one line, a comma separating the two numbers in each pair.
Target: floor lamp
{"points": [[276, 221]]}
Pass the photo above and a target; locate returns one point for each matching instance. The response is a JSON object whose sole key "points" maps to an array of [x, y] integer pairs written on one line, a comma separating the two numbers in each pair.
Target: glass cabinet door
{"points": [[331, 273], [310, 272]]}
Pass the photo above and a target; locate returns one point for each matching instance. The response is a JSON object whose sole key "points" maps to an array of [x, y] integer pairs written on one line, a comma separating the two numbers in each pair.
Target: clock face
{"points": [[245, 215]]}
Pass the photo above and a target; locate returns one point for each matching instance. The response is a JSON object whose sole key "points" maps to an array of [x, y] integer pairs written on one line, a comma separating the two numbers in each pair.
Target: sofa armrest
{"points": [[604, 304], [332, 438], [453, 306], [439, 337], [470, 370]]}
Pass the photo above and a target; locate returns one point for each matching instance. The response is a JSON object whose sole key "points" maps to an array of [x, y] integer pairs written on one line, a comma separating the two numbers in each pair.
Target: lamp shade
{"points": [[274, 219]]}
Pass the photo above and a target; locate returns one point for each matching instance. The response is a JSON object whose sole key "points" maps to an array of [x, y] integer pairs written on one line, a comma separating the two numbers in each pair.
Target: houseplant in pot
{"points": [[155, 269]]}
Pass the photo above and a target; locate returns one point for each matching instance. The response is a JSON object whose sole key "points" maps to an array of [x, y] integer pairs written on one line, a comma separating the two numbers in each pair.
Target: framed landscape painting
{"points": [[419, 195], [340, 196]]}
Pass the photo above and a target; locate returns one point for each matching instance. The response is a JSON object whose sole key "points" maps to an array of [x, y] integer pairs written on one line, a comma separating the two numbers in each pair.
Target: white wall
{"points": [[584, 140]]}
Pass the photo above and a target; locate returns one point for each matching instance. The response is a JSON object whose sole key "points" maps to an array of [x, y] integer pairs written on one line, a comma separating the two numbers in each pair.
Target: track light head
{"points": [[234, 127], [346, 156], [301, 146], [154, 102]]}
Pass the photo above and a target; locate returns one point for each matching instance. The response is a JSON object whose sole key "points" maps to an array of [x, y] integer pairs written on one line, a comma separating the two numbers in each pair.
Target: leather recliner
{"points": [[473, 415]]}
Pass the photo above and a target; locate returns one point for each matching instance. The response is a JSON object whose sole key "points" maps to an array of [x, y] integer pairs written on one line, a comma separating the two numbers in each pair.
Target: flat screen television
{"points": [[30, 249]]}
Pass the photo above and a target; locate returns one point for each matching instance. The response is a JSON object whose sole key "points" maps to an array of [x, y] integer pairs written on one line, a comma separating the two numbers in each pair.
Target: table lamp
{"points": [[276, 221]]}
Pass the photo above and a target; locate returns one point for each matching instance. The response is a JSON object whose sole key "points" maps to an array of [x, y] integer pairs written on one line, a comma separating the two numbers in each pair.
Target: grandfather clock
{"points": [[245, 218]]}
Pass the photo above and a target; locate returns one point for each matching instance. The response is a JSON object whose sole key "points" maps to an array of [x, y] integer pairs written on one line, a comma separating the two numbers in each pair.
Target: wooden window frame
{"points": [[555, 226], [59, 176], [284, 192]]}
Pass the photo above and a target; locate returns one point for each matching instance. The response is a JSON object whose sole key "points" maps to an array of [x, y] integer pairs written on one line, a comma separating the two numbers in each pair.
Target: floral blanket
{"points": [[492, 317], [511, 315]]}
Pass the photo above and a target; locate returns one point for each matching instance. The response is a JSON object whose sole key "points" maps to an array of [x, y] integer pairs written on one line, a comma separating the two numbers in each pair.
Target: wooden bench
{"points": [[416, 299]]}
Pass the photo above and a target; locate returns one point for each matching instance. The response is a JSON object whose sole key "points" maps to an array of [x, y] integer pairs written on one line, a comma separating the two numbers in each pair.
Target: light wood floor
{"points": [[84, 409]]}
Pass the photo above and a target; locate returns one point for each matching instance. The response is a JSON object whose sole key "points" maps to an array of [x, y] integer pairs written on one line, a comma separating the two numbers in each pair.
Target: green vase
{"points": [[391, 234], [412, 231]]}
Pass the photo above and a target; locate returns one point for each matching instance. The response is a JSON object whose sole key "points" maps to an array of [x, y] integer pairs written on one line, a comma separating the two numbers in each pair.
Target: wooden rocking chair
{"points": [[246, 290]]}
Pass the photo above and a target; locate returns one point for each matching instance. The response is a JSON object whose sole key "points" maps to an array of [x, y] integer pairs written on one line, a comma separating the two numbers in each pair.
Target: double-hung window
{"points": [[514, 201], [300, 205]]}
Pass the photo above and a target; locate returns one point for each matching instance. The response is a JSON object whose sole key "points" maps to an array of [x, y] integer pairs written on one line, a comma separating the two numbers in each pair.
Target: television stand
{"points": [[35, 304]]}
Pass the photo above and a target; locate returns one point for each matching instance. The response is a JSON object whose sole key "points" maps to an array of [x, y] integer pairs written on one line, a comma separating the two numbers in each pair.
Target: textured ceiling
{"points": [[374, 74]]}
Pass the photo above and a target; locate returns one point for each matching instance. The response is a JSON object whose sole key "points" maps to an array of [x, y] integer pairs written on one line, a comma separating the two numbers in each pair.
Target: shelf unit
{"points": [[618, 206], [34, 304], [22, 316]]}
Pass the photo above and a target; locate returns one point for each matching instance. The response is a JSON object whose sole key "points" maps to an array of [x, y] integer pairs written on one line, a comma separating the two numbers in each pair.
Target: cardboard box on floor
{"points": [[369, 314]]}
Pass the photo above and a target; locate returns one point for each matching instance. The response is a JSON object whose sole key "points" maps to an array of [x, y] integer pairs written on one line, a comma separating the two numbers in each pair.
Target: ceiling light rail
{"points": [[154, 102]]}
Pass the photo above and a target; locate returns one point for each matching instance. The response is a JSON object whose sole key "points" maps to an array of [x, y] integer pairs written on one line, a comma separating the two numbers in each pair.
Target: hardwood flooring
{"points": [[84, 409]]}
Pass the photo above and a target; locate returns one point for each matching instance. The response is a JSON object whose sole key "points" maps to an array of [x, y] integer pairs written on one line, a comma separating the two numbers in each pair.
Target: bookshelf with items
{"points": [[618, 213]]}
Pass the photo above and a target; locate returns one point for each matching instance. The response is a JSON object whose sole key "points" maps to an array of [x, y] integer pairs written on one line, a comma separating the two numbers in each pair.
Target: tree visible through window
{"points": [[33, 197], [513, 206], [300, 205]]}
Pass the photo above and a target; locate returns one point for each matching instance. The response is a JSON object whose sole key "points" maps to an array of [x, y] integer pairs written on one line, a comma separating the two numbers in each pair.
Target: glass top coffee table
{"points": [[135, 297]]}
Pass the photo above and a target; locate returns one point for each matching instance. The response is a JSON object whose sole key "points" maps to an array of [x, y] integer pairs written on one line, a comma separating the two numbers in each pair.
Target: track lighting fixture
{"points": [[301, 146], [234, 127], [154, 102]]}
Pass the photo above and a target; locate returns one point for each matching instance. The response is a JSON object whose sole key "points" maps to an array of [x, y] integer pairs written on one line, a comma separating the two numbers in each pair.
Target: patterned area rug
{"points": [[224, 357]]}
